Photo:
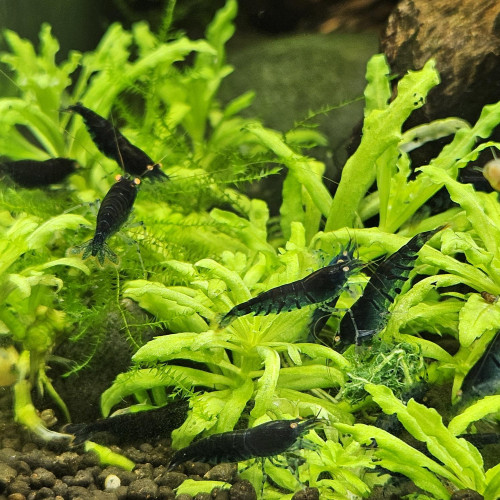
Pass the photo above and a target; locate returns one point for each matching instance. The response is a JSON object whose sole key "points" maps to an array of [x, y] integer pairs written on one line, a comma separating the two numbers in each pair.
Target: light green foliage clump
{"points": [[206, 247], [30, 314], [458, 461]]}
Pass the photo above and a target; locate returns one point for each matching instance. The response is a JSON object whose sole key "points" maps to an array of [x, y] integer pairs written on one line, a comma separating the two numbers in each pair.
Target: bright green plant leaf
{"points": [[378, 88], [492, 491], [266, 384], [192, 487], [399, 457], [109, 457], [474, 412], [381, 130], [421, 134], [477, 316], [425, 424]]}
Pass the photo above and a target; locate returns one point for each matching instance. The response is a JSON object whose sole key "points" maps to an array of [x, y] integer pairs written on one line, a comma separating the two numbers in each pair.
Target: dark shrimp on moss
{"points": [[34, 173], [113, 213], [321, 286], [116, 146], [265, 440], [368, 316]]}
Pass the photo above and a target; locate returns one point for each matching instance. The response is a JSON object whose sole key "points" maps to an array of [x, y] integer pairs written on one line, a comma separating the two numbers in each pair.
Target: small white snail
{"points": [[111, 482], [491, 172]]}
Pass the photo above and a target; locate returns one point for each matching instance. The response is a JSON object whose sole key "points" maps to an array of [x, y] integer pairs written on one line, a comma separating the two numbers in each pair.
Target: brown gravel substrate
{"points": [[31, 470]]}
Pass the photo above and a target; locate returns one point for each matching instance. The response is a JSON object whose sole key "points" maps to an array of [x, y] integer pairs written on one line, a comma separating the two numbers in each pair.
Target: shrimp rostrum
{"points": [[321, 286], [265, 440]]}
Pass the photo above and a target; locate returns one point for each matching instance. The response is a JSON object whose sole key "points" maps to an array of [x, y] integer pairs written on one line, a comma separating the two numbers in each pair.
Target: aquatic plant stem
{"points": [[24, 410]]}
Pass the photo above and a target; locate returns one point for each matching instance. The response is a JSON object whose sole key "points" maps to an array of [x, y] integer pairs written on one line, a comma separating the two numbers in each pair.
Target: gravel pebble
{"points": [[146, 447], [184, 496], [242, 490], [60, 488], [171, 479], [196, 468], [37, 458], [16, 496], [78, 493], [307, 494], [203, 496], [19, 486], [10, 442], [220, 494], [121, 492], [42, 477], [142, 489], [66, 464], [82, 478], [89, 459], [7, 474], [144, 471], [22, 467], [135, 455], [103, 495], [222, 472], [165, 493], [9, 456], [29, 447], [43, 493]]}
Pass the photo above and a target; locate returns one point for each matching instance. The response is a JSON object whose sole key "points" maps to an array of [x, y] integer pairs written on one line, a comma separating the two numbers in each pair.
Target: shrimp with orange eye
{"points": [[116, 146], [321, 286], [265, 440], [113, 213]]}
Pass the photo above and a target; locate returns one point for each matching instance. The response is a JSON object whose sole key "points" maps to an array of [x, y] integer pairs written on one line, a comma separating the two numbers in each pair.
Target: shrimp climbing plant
{"points": [[270, 362], [197, 135], [267, 361]]}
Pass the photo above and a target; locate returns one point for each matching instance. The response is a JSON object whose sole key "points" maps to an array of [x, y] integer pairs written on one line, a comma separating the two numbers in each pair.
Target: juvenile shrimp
{"points": [[116, 146], [265, 440], [323, 285], [368, 316], [113, 212], [34, 173]]}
